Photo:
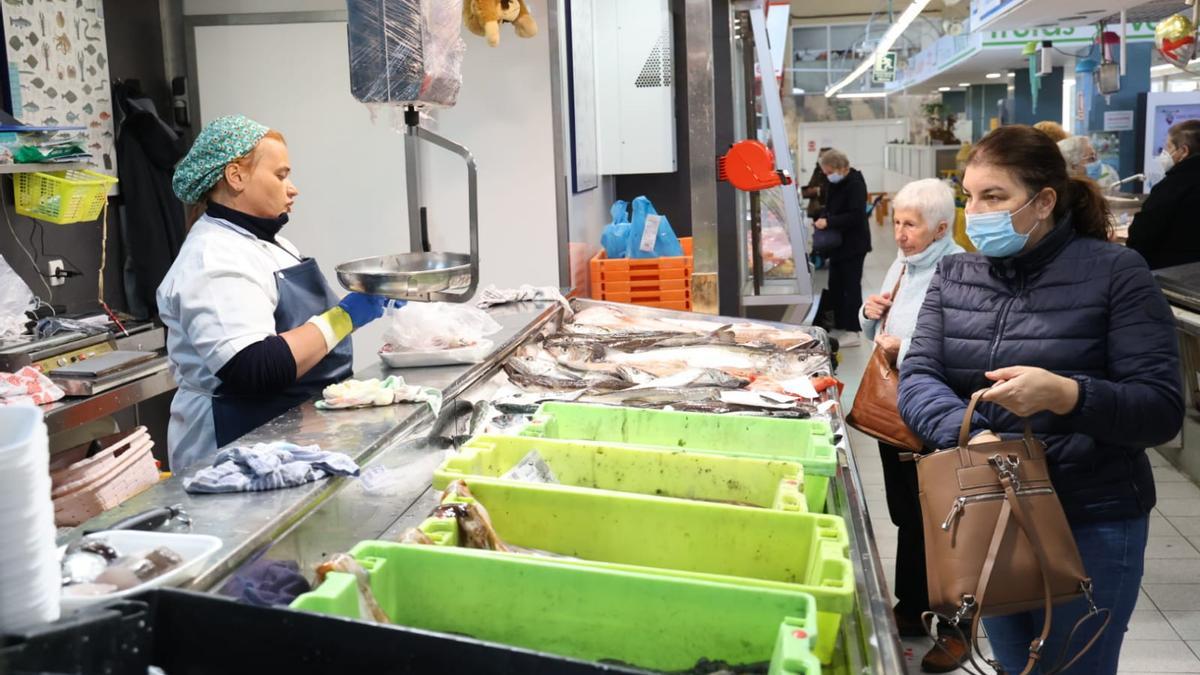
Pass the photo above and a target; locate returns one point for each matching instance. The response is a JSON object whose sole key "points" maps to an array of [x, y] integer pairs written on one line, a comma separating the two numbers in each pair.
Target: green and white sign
{"points": [[885, 68]]}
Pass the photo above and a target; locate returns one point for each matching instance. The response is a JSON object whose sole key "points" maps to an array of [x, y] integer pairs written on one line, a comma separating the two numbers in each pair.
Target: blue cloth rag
{"points": [[268, 466]]}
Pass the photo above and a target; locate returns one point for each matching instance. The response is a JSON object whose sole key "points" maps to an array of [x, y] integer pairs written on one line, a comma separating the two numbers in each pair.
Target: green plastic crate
{"points": [[767, 483], [580, 611], [809, 442], [702, 540]]}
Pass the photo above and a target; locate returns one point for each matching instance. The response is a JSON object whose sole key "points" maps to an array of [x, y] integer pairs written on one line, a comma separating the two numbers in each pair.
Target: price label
{"points": [[650, 233]]}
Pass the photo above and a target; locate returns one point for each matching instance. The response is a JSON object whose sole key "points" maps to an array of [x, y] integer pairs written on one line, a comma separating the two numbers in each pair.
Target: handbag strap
{"points": [[888, 310], [1013, 510], [964, 430]]}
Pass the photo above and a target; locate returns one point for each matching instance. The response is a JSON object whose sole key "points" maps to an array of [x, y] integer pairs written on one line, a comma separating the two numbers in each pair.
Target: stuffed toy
{"points": [[483, 17]]}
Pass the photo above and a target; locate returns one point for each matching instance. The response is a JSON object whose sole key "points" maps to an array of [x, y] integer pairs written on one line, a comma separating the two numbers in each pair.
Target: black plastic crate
{"points": [[186, 633]]}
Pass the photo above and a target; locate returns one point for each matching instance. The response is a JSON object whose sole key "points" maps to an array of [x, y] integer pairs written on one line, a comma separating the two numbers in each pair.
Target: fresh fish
{"points": [[525, 403], [734, 359], [19, 22], [696, 377], [603, 318]]}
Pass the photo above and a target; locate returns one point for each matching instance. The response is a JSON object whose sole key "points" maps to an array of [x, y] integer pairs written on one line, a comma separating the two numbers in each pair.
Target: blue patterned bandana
{"points": [[222, 141]]}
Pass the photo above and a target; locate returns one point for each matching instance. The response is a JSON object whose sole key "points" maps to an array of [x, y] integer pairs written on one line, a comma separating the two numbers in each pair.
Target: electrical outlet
{"points": [[57, 272]]}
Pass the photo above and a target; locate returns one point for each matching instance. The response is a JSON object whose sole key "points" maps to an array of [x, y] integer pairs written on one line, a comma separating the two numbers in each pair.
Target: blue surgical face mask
{"points": [[993, 233], [835, 177], [1094, 169]]}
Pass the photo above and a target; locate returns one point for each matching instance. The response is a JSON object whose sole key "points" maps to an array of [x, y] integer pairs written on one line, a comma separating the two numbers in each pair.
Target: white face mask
{"points": [[1165, 160]]}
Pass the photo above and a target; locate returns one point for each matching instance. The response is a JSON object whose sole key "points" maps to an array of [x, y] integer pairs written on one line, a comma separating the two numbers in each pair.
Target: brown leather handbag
{"points": [[996, 538], [875, 411]]}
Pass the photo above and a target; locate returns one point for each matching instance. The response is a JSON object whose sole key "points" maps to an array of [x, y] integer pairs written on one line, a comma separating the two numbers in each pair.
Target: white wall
{"points": [[350, 170], [862, 141]]}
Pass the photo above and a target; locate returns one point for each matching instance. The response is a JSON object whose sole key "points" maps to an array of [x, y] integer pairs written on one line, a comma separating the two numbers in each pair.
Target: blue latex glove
{"points": [[363, 308]]}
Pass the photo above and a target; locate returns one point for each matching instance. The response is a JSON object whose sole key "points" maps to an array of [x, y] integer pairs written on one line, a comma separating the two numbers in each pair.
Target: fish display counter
{"points": [[554, 367]]}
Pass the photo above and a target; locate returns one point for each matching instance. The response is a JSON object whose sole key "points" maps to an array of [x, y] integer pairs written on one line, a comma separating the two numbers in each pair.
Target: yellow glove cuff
{"points": [[334, 324]]}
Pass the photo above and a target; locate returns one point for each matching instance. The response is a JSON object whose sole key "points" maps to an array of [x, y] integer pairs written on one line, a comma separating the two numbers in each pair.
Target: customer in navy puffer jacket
{"points": [[1069, 330]]}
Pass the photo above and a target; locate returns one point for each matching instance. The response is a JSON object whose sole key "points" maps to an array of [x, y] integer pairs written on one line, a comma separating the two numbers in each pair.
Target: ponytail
{"points": [[1090, 214]]}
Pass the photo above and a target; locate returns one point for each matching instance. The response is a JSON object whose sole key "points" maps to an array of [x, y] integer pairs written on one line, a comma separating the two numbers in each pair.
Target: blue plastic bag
{"points": [[650, 234], [615, 238]]}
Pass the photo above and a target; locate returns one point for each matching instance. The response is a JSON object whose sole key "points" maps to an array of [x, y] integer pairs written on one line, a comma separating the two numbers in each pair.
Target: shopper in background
{"points": [[816, 189], [1165, 230], [1052, 129], [846, 212], [1069, 331], [923, 212], [1083, 162]]}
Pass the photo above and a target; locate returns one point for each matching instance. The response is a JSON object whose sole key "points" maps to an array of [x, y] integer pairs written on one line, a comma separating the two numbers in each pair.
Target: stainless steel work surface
{"points": [[248, 523]]}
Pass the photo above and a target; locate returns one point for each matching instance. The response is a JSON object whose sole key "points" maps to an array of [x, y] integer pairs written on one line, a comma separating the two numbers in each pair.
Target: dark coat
{"points": [[814, 192], [152, 216], [1076, 306], [1167, 230], [846, 212]]}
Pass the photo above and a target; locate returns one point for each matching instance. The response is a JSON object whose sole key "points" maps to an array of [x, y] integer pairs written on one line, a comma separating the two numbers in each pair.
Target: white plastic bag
{"points": [[15, 300], [420, 326]]}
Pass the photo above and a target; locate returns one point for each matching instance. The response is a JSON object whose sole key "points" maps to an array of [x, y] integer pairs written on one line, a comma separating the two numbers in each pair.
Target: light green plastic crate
{"points": [[580, 611], [702, 540], [809, 442], [767, 483]]}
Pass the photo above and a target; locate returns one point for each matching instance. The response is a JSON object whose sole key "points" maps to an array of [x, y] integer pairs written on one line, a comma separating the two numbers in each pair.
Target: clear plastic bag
{"points": [[420, 326], [15, 300], [405, 51]]}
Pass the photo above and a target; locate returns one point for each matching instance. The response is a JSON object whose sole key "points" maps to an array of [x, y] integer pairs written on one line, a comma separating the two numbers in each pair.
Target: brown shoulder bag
{"points": [[875, 411], [996, 538]]}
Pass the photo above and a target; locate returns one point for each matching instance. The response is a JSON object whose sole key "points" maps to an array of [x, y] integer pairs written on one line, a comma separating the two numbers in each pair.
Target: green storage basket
{"points": [[766, 548], [766, 483], [809, 442], [580, 611]]}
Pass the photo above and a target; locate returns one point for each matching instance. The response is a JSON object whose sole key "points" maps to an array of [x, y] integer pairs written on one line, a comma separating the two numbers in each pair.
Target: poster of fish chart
{"points": [[58, 69]]}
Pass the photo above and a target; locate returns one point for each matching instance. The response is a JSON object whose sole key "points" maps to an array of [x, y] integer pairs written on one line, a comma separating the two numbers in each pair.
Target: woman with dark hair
{"points": [[1165, 231], [1071, 332]]}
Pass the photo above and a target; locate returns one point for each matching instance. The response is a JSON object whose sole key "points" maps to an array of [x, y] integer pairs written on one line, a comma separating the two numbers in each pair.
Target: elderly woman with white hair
{"points": [[1082, 161], [923, 214]]}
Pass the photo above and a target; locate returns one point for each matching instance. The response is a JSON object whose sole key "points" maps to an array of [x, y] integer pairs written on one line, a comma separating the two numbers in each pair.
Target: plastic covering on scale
{"points": [[405, 51]]}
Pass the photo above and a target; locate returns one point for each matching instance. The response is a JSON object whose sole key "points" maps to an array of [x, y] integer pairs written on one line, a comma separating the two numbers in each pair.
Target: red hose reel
{"points": [[750, 166]]}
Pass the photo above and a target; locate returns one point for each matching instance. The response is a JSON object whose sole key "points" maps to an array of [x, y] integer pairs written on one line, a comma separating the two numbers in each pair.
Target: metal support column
{"points": [[702, 151]]}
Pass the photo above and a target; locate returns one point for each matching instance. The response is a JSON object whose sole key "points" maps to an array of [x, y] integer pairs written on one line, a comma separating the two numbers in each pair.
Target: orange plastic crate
{"points": [[644, 297], [681, 305], [628, 276]]}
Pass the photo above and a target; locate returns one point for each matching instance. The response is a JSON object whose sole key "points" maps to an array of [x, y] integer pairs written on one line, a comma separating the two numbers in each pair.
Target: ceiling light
{"points": [[797, 91], [943, 88], [1011, 75], [993, 76], [964, 84], [885, 43], [863, 94]]}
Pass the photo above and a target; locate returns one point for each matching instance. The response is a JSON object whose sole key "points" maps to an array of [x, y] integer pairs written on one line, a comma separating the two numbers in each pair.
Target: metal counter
{"points": [[309, 523]]}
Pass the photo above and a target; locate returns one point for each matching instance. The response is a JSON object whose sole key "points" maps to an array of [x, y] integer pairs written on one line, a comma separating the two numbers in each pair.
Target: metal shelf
{"points": [[32, 168]]}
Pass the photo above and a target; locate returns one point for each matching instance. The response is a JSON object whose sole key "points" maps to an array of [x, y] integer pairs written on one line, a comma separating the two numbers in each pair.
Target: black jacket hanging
{"points": [[152, 217]]}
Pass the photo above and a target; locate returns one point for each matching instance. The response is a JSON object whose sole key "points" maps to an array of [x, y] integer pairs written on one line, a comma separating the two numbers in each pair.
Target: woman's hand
{"points": [[1026, 391], [890, 344], [984, 437], [876, 304], [820, 223]]}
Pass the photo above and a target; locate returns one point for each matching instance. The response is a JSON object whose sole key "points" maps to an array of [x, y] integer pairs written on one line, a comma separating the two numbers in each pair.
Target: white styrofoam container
{"points": [[438, 357], [193, 548]]}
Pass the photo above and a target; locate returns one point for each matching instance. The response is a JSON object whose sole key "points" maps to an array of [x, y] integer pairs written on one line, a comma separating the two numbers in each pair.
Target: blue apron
{"points": [[303, 292]]}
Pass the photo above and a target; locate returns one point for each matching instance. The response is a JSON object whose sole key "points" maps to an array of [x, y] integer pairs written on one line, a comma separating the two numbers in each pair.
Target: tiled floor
{"points": [[1164, 635]]}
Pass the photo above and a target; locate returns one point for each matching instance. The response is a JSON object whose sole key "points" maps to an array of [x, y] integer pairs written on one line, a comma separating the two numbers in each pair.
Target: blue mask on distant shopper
{"points": [[993, 233], [835, 177], [1094, 169]]}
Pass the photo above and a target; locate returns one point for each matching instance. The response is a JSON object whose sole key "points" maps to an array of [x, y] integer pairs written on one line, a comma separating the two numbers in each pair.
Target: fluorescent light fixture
{"points": [[1011, 75], [797, 91], [943, 88], [993, 76], [863, 94], [885, 43], [964, 84]]}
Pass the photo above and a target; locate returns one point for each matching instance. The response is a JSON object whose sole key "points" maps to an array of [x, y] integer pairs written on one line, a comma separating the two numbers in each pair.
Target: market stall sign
{"points": [[1118, 120]]}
